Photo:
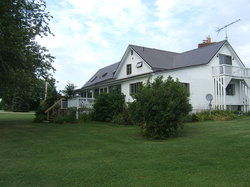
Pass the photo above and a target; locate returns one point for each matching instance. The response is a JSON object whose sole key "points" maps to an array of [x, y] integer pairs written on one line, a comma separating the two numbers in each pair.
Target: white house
{"points": [[212, 68]]}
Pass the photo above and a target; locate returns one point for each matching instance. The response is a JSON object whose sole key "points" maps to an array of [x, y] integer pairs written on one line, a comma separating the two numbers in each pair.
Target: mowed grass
{"points": [[103, 154]]}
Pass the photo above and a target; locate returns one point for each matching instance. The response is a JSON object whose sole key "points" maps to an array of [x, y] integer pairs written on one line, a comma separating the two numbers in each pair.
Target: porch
{"points": [[77, 102], [231, 87]]}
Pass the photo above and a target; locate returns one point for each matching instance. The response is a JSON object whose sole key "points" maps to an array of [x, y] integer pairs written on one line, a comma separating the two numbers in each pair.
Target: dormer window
{"points": [[131, 52], [139, 64], [104, 74], [94, 78], [225, 59], [129, 69]]}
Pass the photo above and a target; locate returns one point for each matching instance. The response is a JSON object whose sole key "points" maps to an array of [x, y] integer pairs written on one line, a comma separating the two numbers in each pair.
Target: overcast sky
{"points": [[90, 34]]}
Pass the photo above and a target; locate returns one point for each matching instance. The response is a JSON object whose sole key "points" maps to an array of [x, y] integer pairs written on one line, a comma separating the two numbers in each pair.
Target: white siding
{"points": [[133, 60]]}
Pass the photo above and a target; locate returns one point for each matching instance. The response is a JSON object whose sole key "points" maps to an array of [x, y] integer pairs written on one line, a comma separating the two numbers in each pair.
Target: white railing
{"points": [[231, 71], [78, 102]]}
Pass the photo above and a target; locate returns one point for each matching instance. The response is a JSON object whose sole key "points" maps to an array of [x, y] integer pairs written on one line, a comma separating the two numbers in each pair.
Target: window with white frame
{"points": [[133, 88]]}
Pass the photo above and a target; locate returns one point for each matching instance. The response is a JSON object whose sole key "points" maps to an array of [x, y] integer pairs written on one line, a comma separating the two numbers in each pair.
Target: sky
{"points": [[91, 34]]}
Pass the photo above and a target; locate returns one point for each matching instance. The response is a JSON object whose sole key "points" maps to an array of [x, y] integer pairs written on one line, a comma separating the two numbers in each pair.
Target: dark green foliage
{"points": [[69, 90], [108, 105], [19, 105], [123, 118], [191, 118], [70, 117], [1, 104], [24, 64], [160, 107], [85, 114], [52, 97], [40, 115]]}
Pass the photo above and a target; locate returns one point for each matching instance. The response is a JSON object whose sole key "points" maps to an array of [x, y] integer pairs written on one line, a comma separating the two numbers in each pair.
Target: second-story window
{"points": [[129, 69], [225, 59]]}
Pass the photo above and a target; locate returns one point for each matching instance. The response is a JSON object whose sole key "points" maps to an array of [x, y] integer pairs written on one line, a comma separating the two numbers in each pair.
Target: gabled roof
{"points": [[162, 60], [159, 59], [156, 58], [199, 56], [103, 74]]}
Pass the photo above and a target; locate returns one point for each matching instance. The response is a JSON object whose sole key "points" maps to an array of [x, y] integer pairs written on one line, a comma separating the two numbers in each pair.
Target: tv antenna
{"points": [[225, 27]]}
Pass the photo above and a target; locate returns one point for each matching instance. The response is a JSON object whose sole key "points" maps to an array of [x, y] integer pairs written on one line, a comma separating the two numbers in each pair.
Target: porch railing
{"points": [[231, 71], [78, 102]]}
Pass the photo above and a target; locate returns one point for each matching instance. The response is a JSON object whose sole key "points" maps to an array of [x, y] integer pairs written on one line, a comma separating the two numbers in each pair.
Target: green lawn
{"points": [[102, 154]]}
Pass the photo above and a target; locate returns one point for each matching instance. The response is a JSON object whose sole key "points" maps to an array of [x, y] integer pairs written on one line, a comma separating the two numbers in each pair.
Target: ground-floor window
{"points": [[133, 88], [230, 89], [115, 88], [187, 87]]}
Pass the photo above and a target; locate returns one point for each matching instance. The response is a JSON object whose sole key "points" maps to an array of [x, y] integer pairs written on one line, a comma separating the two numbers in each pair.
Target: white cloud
{"points": [[92, 34]]}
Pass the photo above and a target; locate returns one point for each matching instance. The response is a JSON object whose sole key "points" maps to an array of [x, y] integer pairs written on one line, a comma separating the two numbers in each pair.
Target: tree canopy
{"points": [[69, 90], [24, 64]]}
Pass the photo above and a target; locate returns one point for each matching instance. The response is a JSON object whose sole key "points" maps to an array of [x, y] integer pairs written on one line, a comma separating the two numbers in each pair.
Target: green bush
{"points": [[40, 116], [223, 115], [247, 113], [218, 115], [191, 118], [118, 119], [108, 105], [70, 117], [161, 107], [1, 104]]}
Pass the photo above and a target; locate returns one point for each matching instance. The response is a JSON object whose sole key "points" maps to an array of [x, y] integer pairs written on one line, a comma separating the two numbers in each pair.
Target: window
{"points": [[89, 94], [129, 69], [230, 89], [139, 64], [105, 90], [131, 52], [133, 88], [224, 59], [104, 74], [115, 88], [94, 78], [96, 92], [187, 87], [84, 94]]}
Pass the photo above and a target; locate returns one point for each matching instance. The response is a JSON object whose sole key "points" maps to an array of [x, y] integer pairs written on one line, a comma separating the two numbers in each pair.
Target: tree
{"points": [[160, 107], [69, 90], [24, 64]]}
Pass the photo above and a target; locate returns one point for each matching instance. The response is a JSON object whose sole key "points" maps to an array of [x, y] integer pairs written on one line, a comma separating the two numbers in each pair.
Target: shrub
{"points": [[247, 113], [1, 104], [118, 119], [70, 117], [191, 118], [161, 106], [108, 105], [219, 115], [222, 115], [40, 115]]}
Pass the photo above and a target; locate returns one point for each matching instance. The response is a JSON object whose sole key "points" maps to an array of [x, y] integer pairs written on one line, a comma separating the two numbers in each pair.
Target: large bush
{"points": [[107, 105], [160, 107]]}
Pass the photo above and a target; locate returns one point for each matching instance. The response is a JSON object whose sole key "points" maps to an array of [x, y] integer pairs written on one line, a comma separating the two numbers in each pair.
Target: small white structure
{"points": [[213, 68]]}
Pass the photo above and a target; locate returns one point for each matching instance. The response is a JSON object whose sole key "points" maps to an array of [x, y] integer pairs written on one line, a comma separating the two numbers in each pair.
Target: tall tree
{"points": [[23, 62], [69, 90]]}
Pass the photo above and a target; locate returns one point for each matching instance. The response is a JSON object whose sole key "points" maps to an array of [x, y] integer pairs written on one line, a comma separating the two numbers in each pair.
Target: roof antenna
{"points": [[225, 27]]}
